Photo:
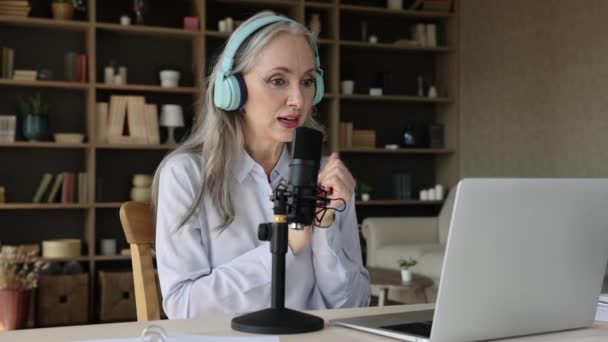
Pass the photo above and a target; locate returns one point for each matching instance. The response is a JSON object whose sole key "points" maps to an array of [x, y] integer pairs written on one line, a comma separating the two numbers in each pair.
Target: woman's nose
{"points": [[295, 97]]}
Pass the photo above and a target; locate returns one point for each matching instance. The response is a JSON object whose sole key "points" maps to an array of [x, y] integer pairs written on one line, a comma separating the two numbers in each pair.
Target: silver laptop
{"points": [[523, 256]]}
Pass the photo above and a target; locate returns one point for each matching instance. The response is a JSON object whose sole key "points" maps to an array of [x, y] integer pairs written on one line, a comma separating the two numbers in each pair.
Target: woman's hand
{"points": [[339, 184]]}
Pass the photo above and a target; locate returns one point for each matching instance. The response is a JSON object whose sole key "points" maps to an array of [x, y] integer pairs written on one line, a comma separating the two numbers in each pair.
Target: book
{"points": [[42, 187], [152, 129], [116, 118], [136, 117], [82, 68], [65, 187], [55, 188], [101, 122]]}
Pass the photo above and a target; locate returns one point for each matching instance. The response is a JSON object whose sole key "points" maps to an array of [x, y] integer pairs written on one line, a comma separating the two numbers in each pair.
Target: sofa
{"points": [[422, 238]]}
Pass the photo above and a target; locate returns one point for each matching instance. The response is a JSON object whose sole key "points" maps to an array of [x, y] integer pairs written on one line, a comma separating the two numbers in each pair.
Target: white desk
{"points": [[221, 326]]}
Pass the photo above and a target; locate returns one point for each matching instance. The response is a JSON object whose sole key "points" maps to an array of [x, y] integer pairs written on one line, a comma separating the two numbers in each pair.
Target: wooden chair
{"points": [[140, 229]]}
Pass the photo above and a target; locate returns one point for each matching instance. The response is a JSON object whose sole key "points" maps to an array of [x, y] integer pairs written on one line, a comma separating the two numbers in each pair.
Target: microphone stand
{"points": [[277, 319]]}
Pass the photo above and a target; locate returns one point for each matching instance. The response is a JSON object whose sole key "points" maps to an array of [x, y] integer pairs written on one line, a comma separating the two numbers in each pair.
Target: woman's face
{"points": [[280, 89]]}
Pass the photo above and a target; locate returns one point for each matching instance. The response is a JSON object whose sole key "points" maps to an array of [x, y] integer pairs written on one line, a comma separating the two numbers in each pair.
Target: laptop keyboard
{"points": [[417, 328]]}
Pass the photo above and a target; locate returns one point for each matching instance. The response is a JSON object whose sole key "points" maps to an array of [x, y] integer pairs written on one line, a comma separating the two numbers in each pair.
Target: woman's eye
{"points": [[308, 83], [277, 82]]}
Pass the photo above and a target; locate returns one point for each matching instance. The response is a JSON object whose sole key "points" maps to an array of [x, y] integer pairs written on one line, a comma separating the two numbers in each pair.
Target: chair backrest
{"points": [[445, 216], [140, 230]]}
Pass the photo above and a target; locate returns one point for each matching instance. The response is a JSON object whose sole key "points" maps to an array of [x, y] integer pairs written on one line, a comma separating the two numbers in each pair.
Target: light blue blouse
{"points": [[205, 272]]}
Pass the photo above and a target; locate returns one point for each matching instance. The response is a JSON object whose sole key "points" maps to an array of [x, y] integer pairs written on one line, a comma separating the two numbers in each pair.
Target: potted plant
{"points": [[64, 9], [406, 272], [365, 190], [169, 75], [34, 110], [19, 271]]}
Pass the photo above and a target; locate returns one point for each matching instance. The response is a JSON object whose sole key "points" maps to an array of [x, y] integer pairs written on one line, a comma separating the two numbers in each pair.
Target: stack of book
{"points": [[16, 8], [8, 61], [602, 308], [25, 75], [65, 187], [437, 5]]}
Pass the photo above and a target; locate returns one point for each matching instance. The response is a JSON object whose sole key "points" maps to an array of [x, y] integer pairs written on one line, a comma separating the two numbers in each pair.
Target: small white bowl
{"points": [[69, 138]]}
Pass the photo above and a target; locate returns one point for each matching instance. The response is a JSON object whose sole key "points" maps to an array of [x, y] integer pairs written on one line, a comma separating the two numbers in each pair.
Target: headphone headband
{"points": [[230, 91]]}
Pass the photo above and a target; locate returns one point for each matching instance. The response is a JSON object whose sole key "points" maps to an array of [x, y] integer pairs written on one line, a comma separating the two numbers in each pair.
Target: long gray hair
{"points": [[217, 135]]}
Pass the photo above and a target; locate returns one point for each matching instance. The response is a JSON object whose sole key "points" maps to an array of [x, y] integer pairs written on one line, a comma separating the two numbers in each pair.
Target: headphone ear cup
{"points": [[227, 93], [319, 89], [242, 98]]}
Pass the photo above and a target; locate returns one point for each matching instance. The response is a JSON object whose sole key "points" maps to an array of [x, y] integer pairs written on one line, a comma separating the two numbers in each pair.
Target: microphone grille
{"points": [[307, 144]]}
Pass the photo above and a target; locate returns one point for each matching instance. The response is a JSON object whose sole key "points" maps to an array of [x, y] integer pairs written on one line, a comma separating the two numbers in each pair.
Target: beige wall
{"points": [[534, 87]]}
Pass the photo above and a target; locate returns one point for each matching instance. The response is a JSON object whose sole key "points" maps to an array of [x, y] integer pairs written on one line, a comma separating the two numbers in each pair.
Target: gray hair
{"points": [[217, 135]]}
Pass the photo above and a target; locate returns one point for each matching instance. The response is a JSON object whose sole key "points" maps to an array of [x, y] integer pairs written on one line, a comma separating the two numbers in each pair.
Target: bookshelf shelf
{"points": [[403, 13], [397, 151], [107, 205], [81, 258], [150, 88], [318, 5], [45, 84], [216, 34], [69, 25], [149, 30], [395, 98], [42, 206], [24, 144], [117, 257], [276, 3], [134, 147], [386, 46], [397, 202]]}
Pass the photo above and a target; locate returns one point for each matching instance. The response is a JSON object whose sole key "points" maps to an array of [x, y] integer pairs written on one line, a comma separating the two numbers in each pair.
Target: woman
{"points": [[213, 191]]}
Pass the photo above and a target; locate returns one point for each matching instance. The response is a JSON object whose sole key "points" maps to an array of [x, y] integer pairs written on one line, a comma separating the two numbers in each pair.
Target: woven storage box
{"points": [[117, 301], [63, 300]]}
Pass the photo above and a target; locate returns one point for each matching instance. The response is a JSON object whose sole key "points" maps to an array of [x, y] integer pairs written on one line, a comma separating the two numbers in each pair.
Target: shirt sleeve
{"points": [[338, 265], [189, 286]]}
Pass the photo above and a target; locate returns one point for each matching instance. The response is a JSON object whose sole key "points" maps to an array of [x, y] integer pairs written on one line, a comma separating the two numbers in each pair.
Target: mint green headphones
{"points": [[230, 91]]}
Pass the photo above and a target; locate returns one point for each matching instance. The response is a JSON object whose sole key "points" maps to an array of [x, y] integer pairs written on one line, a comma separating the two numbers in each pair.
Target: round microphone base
{"points": [[277, 322]]}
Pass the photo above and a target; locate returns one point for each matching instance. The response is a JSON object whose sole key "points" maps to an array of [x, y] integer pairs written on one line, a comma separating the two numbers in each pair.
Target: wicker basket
{"points": [[117, 301], [62, 300]]}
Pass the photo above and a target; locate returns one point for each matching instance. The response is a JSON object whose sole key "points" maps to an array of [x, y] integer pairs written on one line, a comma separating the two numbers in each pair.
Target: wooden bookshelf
{"points": [[149, 31], [392, 12], [45, 23], [385, 46], [142, 48], [395, 98], [42, 206], [45, 84], [54, 145], [134, 147], [150, 88]]}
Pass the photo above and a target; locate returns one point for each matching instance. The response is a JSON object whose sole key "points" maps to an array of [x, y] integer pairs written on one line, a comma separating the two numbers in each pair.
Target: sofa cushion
{"points": [[445, 216], [388, 256], [430, 263]]}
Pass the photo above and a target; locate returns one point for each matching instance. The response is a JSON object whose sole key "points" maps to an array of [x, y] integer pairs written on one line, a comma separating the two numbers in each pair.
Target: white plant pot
{"points": [[365, 197], [406, 276], [169, 78]]}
